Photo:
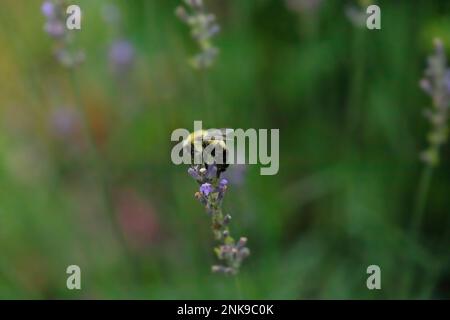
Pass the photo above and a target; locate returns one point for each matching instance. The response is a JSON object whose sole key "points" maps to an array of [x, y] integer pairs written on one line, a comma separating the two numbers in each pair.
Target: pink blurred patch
{"points": [[137, 218]]}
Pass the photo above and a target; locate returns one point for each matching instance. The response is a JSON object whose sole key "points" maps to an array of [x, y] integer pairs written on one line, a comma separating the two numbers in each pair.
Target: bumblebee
{"points": [[214, 141]]}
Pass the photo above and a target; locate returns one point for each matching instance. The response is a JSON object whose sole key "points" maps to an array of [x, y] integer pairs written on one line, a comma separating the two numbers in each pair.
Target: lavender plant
{"points": [[212, 188], [121, 53], [211, 194], [436, 83], [121, 56], [203, 27], [65, 53]]}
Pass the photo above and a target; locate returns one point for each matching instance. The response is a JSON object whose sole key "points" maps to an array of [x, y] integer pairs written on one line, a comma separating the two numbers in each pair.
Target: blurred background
{"points": [[86, 176]]}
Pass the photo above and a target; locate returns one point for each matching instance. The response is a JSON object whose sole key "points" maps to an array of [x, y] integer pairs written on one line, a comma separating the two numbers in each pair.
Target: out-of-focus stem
{"points": [[206, 95], [417, 218], [421, 199]]}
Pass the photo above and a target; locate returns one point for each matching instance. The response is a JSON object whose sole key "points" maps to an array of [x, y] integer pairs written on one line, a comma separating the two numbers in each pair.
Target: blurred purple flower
{"points": [[436, 83], [54, 14], [121, 56], [203, 27], [65, 125], [65, 122], [236, 174], [48, 9], [55, 27], [211, 172]]}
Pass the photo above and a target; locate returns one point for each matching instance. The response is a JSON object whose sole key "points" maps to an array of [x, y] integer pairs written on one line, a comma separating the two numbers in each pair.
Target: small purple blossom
{"points": [[65, 122], [55, 28], [121, 56], [222, 187], [48, 9], [236, 174], [206, 189], [223, 182], [194, 173], [211, 172], [55, 23]]}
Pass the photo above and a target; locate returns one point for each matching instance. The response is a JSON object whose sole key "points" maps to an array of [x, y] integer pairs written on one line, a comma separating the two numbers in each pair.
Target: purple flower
{"points": [[48, 9], [223, 183], [221, 188], [206, 189], [236, 174], [211, 171], [121, 55], [65, 122], [194, 173], [54, 28], [54, 24]]}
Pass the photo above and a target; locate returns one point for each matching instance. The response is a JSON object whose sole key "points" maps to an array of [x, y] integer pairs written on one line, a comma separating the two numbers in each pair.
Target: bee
{"points": [[215, 141]]}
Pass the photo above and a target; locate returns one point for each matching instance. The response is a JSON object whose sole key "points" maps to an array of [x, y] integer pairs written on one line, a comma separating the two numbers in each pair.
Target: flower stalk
{"points": [[55, 27], [436, 83], [203, 27], [212, 190]]}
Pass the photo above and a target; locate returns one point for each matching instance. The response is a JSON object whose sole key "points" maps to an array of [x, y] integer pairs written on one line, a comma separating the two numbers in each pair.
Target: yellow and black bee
{"points": [[197, 141]]}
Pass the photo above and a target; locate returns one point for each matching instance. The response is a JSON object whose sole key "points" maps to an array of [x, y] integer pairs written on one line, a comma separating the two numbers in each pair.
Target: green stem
{"points": [[421, 200], [417, 218]]}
